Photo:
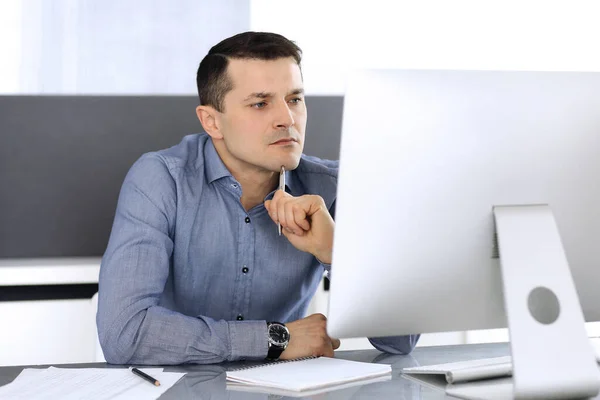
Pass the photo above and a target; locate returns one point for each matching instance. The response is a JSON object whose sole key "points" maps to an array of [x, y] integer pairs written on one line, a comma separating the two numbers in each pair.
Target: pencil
{"points": [[281, 187], [145, 376]]}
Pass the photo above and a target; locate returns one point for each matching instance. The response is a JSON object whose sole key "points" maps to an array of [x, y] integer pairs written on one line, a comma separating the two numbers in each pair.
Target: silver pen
{"points": [[281, 187]]}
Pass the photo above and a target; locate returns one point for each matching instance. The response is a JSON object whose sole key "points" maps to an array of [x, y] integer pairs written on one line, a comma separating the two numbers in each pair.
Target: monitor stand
{"points": [[551, 353]]}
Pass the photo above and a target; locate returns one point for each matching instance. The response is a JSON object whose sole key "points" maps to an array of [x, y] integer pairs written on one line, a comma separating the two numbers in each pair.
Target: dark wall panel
{"points": [[63, 160], [324, 127]]}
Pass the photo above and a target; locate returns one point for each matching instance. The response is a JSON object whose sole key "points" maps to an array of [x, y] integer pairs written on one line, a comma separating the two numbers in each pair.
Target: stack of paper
{"points": [[307, 375], [89, 383], [242, 387]]}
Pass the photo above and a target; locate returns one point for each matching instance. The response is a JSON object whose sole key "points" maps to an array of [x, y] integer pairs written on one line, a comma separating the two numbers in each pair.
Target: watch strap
{"points": [[274, 351]]}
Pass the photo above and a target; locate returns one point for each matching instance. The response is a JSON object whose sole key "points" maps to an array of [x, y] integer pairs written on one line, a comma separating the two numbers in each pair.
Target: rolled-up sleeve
{"points": [[395, 344], [132, 327]]}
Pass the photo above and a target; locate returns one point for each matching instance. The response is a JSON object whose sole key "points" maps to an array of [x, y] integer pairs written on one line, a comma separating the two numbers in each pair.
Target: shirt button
{"points": [[247, 220], [245, 270], [234, 186], [240, 317]]}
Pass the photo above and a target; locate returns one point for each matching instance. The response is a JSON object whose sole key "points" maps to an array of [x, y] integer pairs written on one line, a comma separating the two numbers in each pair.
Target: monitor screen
{"points": [[425, 157]]}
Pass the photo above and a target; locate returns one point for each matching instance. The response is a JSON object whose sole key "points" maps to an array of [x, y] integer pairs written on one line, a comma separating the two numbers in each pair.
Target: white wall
{"points": [[50, 331], [338, 35], [111, 46], [47, 332], [10, 45]]}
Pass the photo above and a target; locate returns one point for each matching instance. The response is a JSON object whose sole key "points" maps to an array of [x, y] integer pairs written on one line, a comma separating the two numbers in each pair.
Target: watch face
{"points": [[278, 335]]}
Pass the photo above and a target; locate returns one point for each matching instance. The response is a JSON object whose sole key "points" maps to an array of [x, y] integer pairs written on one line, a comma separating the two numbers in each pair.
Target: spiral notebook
{"points": [[307, 373]]}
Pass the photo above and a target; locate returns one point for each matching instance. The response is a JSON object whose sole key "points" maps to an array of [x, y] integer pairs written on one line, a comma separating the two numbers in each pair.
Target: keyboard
{"points": [[472, 370]]}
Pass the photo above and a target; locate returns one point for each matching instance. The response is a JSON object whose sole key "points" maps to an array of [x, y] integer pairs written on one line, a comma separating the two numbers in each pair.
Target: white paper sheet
{"points": [[88, 383], [290, 393]]}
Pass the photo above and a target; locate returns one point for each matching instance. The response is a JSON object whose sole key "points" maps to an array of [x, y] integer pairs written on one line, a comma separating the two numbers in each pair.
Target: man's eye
{"points": [[262, 104], [296, 100]]}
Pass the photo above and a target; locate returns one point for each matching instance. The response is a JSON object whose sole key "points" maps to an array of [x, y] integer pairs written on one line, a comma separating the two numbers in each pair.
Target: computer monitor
{"points": [[442, 172]]}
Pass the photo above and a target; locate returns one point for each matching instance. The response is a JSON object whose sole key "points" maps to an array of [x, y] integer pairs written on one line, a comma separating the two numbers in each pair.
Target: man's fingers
{"points": [[289, 217], [294, 213], [289, 212], [270, 209], [317, 316], [281, 217], [280, 199], [335, 343], [300, 220], [328, 351]]}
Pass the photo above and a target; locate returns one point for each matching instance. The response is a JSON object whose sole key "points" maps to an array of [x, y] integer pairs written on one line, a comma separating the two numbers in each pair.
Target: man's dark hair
{"points": [[212, 80]]}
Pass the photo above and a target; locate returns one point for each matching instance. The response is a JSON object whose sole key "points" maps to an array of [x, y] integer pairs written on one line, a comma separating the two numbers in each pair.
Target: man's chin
{"points": [[291, 164]]}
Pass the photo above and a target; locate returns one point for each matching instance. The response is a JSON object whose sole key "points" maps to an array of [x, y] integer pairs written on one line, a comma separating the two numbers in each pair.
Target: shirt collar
{"points": [[292, 183], [214, 167]]}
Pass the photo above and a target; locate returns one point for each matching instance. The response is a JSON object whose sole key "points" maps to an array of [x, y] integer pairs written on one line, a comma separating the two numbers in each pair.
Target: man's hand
{"points": [[305, 222], [308, 337]]}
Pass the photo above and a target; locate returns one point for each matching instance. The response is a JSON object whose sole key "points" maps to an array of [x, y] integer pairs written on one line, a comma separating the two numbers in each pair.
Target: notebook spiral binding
{"points": [[268, 364]]}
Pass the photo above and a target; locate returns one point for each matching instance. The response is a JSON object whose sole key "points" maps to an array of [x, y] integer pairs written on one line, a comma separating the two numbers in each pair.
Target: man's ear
{"points": [[208, 117]]}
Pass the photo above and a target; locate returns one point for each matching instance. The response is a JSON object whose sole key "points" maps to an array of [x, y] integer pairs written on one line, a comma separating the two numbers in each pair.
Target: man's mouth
{"points": [[285, 141]]}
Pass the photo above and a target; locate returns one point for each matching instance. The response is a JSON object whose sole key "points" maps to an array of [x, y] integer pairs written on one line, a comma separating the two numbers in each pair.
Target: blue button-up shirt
{"points": [[190, 276]]}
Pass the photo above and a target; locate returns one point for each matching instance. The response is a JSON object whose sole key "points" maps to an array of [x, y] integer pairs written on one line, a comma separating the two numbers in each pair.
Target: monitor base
{"points": [[552, 355]]}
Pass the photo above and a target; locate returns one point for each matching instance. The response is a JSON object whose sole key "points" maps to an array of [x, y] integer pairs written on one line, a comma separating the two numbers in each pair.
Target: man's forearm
{"points": [[157, 335]]}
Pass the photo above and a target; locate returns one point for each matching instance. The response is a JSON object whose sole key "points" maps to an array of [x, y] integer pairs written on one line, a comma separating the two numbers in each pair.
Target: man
{"points": [[195, 271]]}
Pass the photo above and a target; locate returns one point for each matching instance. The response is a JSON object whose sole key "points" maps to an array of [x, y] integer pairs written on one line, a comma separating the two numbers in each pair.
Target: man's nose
{"points": [[284, 118]]}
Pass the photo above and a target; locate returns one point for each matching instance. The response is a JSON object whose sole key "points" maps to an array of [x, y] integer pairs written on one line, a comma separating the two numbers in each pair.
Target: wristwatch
{"points": [[278, 337]]}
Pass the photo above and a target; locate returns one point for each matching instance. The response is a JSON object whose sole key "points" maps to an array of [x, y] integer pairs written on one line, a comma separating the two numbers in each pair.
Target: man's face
{"points": [[264, 115]]}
